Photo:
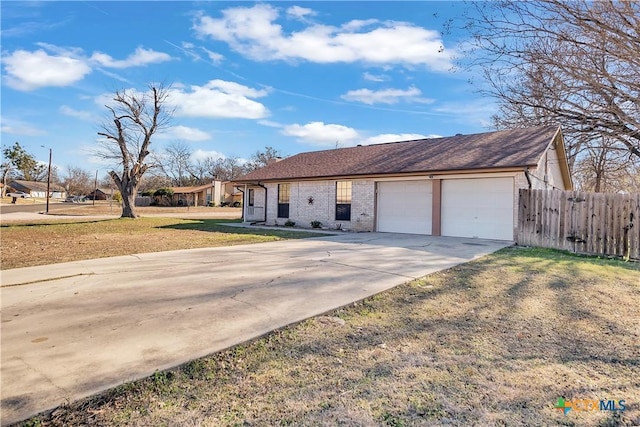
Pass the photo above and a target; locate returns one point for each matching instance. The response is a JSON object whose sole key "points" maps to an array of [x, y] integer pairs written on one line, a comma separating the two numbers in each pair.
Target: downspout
{"points": [[244, 202], [526, 174], [266, 193]]}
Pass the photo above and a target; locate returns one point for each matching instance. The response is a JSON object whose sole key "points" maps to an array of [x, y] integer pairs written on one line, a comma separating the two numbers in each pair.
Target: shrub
{"points": [[316, 224], [289, 223], [163, 192]]}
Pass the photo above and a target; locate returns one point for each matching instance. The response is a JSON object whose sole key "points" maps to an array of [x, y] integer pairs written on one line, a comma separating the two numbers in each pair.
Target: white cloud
{"points": [[78, 114], [187, 48], [270, 123], [319, 133], [33, 70], [358, 24], [214, 57], [140, 57], [218, 99], [63, 66], [253, 32], [395, 137], [204, 154], [386, 96], [332, 135], [184, 133], [298, 12], [19, 127], [375, 77]]}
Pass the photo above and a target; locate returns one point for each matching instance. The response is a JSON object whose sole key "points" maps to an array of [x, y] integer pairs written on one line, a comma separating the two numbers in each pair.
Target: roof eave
{"points": [[514, 168]]}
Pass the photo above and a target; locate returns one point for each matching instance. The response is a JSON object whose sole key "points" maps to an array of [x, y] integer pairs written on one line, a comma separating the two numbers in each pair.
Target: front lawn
{"points": [[27, 245], [492, 342]]}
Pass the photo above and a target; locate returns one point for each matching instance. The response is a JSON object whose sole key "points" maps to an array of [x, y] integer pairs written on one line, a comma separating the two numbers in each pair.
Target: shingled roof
{"points": [[21, 185], [503, 149]]}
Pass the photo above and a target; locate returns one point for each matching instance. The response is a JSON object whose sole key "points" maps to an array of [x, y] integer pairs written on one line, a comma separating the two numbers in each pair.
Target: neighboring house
{"points": [[464, 185], [39, 189], [101, 194], [230, 194], [218, 192]]}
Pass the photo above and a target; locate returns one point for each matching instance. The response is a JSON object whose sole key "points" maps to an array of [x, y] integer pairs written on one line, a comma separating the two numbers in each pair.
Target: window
{"points": [[252, 196], [284, 193], [343, 201]]}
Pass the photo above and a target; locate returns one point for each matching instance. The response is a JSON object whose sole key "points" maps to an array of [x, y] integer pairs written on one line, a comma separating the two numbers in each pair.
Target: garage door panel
{"points": [[404, 207], [480, 208]]}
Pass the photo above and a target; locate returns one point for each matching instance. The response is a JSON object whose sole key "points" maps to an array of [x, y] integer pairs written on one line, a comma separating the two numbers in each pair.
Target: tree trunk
{"points": [[128, 191], [128, 207]]}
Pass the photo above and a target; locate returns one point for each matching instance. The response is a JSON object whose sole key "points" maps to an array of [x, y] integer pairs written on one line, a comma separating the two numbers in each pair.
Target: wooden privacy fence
{"points": [[592, 223]]}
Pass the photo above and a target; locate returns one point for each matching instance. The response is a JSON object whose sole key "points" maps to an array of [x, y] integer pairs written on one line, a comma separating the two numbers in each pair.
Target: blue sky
{"points": [[297, 76]]}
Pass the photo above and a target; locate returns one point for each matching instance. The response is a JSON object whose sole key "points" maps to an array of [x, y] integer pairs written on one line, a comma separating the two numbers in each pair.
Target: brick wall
{"points": [[322, 208]]}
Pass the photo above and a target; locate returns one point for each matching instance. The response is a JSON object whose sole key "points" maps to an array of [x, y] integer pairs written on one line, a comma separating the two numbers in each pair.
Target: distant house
{"points": [[461, 186], [217, 193], [39, 189], [100, 194]]}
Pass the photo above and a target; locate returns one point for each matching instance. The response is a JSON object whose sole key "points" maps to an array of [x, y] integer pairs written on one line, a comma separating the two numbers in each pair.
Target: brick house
{"points": [[463, 185]]}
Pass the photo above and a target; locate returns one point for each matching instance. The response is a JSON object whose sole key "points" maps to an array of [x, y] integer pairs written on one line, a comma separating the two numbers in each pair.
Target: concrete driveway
{"points": [[73, 329]]}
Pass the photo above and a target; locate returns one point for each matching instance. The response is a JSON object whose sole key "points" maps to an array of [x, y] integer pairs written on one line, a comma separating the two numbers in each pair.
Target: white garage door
{"points": [[480, 208], [404, 207]]}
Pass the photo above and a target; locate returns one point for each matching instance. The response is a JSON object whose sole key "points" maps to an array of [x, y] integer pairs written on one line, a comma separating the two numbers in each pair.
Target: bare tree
{"points": [[220, 168], [175, 162], [604, 168], [572, 63], [78, 181], [154, 180], [135, 118], [261, 159]]}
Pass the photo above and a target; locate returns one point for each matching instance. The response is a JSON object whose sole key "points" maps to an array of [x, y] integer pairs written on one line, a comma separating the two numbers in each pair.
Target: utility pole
{"points": [[49, 180], [95, 189]]}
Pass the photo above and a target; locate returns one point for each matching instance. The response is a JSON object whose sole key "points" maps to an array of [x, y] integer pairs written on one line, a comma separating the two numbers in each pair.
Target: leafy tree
{"points": [[19, 164], [135, 119], [163, 196]]}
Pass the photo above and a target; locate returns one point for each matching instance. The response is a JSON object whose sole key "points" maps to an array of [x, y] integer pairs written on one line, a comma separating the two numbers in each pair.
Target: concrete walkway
{"points": [[71, 330]]}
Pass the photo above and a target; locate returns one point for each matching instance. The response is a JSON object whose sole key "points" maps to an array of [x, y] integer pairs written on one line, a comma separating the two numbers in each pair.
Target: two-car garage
{"points": [[468, 207]]}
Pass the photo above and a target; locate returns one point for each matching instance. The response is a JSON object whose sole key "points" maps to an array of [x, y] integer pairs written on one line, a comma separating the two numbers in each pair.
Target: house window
{"points": [[252, 196], [284, 194], [343, 201]]}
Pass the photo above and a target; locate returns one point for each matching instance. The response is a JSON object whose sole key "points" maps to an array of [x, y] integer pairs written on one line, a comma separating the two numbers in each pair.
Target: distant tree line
{"points": [[173, 166]]}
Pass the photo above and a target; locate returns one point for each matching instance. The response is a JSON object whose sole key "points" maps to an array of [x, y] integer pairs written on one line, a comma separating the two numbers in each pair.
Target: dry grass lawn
{"points": [[493, 342], [25, 245]]}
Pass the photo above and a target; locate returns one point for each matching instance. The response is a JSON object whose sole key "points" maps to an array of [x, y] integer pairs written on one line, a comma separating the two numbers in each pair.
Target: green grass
{"points": [[491, 342]]}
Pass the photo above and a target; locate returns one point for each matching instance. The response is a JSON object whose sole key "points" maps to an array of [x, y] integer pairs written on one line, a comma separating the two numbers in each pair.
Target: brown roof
{"points": [[502, 149], [193, 189]]}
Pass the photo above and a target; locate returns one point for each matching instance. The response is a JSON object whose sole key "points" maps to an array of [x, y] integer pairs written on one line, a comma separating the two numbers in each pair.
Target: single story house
{"points": [[217, 192], [463, 185], [101, 194], [39, 189]]}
